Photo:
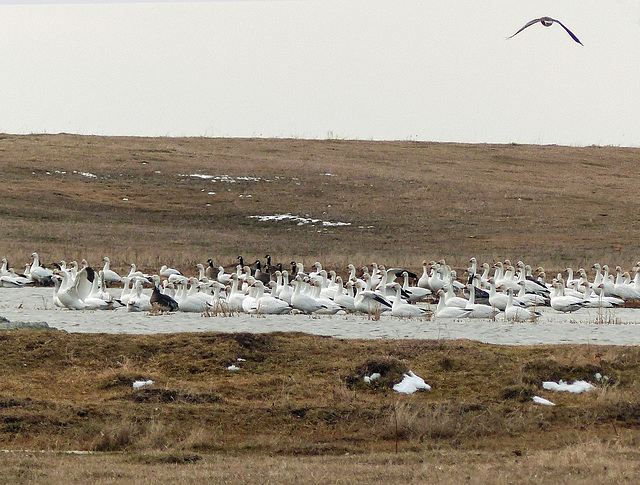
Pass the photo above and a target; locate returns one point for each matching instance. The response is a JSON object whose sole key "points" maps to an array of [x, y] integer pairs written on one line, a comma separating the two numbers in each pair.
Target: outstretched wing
{"points": [[569, 32], [529, 24]]}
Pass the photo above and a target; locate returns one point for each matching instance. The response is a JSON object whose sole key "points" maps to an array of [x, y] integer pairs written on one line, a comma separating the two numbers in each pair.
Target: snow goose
{"points": [[367, 301], [110, 276], [423, 281], [72, 294], [450, 298], [138, 301], [127, 287], [478, 310], [352, 275], [600, 301], [530, 284], [564, 303], [159, 299], [547, 22], [10, 279], [287, 290], [302, 301], [135, 274], [316, 274], [530, 299], [201, 273], [39, 274], [342, 298], [402, 309], [415, 293], [443, 311], [514, 312], [481, 296], [622, 287], [189, 303], [236, 295], [437, 278], [602, 276], [269, 305], [499, 300], [329, 306], [222, 277]]}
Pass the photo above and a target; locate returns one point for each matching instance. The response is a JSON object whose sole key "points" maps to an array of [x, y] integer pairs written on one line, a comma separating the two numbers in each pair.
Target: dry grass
{"points": [[406, 201], [298, 411]]}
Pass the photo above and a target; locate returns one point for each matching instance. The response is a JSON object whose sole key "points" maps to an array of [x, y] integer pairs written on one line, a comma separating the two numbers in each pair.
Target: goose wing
{"points": [[529, 24], [573, 36]]}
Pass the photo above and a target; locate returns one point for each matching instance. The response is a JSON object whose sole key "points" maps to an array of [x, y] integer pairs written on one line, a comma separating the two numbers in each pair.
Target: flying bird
{"points": [[547, 22]]}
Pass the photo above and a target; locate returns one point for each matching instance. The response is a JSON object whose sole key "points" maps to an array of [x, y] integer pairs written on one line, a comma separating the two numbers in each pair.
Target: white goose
{"points": [[39, 274], [269, 305], [110, 276], [188, 303], [622, 287], [138, 301], [342, 297], [443, 311], [402, 309], [565, 303], [166, 271], [302, 301], [415, 293], [601, 301], [517, 313], [477, 309], [367, 301], [72, 294]]}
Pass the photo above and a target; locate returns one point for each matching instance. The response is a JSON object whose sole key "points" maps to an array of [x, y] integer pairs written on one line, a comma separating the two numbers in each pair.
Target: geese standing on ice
{"points": [[565, 303], [547, 22]]}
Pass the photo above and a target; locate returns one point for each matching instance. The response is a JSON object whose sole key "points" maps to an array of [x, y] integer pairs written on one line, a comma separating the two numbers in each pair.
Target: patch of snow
{"points": [[223, 178], [372, 377], [577, 387], [86, 174], [233, 367], [301, 221], [139, 384], [543, 401], [411, 383]]}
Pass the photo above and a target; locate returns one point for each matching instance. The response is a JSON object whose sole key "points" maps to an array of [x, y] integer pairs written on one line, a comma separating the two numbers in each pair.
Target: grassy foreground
{"points": [[299, 411]]}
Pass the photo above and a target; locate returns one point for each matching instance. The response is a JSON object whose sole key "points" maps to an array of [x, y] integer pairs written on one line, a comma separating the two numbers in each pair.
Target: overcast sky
{"points": [[403, 70]]}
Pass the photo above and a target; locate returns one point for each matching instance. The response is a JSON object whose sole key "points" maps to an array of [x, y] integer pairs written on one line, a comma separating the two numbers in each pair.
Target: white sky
{"points": [[406, 70]]}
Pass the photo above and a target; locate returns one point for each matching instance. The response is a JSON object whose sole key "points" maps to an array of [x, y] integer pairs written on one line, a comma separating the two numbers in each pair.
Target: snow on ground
{"points": [[621, 326]]}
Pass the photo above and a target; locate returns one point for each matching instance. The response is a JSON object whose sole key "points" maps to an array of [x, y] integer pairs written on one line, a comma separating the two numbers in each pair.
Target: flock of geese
{"points": [[487, 290]]}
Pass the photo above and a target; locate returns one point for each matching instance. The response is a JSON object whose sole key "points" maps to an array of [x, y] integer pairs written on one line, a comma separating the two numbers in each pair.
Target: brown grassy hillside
{"points": [[405, 201]]}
